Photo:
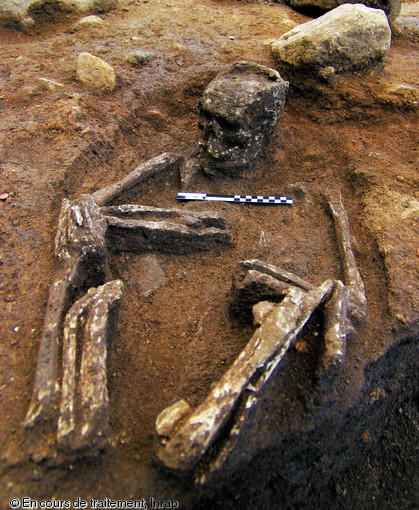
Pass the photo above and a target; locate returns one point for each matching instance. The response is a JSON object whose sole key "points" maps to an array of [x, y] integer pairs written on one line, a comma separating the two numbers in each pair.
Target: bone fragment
{"points": [[190, 169], [141, 212], [46, 387], [267, 347], [81, 229], [83, 421], [165, 236], [166, 162], [357, 305], [254, 280], [250, 287], [276, 272], [167, 420], [335, 326]]}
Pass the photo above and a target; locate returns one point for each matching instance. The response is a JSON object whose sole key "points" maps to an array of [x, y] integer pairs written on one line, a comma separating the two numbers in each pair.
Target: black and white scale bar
{"points": [[244, 199]]}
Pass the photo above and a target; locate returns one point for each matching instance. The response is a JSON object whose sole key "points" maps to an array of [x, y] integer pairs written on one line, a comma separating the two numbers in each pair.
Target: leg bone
{"points": [[80, 242], [280, 324], [357, 302], [46, 387], [94, 314]]}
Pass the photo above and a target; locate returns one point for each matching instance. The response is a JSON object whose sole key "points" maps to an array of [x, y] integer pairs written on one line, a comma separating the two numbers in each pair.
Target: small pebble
{"points": [[139, 58], [28, 22]]}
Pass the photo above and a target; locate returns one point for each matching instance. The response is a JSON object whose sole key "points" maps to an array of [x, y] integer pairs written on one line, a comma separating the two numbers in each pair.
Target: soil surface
{"points": [[61, 140]]}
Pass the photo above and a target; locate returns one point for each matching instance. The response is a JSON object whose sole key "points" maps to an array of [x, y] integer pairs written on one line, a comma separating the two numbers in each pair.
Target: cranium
{"points": [[238, 113]]}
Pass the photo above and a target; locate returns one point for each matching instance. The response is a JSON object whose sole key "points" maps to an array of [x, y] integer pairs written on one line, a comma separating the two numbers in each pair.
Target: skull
{"points": [[238, 114]]}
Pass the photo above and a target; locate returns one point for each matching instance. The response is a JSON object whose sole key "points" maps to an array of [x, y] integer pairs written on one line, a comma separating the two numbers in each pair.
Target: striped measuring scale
{"points": [[244, 199]]}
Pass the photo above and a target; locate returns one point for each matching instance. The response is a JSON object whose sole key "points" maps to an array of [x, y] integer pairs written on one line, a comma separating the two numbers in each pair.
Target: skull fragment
{"points": [[238, 114]]}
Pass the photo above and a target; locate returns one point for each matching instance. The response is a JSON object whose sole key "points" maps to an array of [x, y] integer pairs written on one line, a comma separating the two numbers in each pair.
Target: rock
{"points": [[28, 22], [238, 114], [390, 7], [94, 72], [408, 23], [87, 21], [145, 273], [326, 73], [350, 37], [139, 58], [28, 12]]}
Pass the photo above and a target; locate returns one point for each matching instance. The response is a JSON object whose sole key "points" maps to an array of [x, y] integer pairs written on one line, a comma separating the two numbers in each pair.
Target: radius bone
{"points": [[139, 228], [166, 162]]}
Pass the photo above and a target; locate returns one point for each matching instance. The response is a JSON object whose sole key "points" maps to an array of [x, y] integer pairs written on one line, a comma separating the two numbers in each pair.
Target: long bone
{"points": [[92, 318], [357, 301], [139, 228], [166, 162], [280, 324]]}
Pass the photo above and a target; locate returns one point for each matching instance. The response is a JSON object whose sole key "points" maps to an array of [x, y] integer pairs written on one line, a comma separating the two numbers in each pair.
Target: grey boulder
{"points": [[350, 37], [390, 7]]}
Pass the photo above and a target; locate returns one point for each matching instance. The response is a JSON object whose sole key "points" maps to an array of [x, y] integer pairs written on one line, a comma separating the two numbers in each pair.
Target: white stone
{"points": [[87, 21], [350, 37]]}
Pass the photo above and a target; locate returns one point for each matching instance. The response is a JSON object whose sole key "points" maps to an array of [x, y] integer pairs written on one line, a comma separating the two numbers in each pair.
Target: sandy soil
{"points": [[64, 140]]}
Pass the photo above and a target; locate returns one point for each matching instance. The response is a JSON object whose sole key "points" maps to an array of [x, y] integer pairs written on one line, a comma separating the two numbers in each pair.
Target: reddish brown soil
{"points": [[176, 342]]}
